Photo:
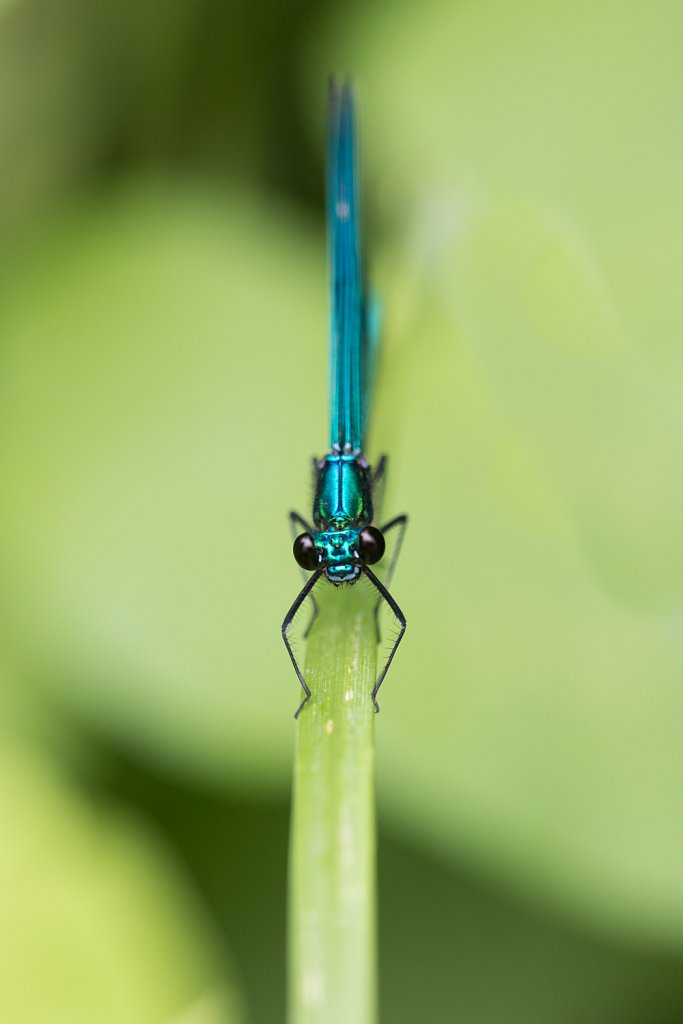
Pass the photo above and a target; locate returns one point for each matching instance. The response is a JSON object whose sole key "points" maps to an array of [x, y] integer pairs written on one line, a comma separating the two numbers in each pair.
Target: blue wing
{"points": [[348, 355]]}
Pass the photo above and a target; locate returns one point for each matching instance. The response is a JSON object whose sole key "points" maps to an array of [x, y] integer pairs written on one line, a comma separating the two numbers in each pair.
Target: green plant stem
{"points": [[332, 895]]}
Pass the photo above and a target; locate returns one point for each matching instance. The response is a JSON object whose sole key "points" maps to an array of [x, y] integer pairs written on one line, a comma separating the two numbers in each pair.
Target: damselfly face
{"points": [[341, 553]]}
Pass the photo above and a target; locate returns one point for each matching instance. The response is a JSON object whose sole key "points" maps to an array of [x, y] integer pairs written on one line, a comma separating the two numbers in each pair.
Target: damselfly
{"points": [[342, 542]]}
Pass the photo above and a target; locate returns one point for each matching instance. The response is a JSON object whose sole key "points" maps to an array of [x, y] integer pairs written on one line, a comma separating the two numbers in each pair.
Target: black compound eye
{"points": [[371, 545], [306, 552]]}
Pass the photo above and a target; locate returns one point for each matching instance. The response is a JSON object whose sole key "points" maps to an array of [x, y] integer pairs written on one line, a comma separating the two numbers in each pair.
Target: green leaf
{"points": [[332, 894]]}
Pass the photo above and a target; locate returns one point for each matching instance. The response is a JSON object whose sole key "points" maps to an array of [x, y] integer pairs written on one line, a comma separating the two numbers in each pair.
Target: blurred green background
{"points": [[162, 388]]}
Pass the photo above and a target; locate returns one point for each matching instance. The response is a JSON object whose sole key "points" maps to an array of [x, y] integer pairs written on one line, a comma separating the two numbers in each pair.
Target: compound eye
{"points": [[306, 552], [371, 545]]}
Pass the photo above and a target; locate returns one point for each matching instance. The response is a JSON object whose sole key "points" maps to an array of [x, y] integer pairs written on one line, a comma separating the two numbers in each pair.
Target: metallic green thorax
{"points": [[341, 508]]}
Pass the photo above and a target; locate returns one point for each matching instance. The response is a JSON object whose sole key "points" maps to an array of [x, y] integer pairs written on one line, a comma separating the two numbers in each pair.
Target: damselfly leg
{"points": [[286, 626], [399, 524], [401, 620], [295, 521]]}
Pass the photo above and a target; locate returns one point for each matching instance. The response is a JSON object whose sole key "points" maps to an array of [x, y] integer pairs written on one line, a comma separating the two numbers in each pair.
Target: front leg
{"points": [[286, 625], [296, 520], [379, 471], [401, 522], [400, 618]]}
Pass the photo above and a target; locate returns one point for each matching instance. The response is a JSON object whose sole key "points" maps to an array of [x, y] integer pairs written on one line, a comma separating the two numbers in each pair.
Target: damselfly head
{"points": [[341, 552]]}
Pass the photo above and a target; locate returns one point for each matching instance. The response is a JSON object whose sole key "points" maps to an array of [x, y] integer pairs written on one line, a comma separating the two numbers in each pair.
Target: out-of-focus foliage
{"points": [[95, 924], [162, 386]]}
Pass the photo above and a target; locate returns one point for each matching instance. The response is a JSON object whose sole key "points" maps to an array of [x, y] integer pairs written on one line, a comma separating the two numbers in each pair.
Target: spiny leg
{"points": [[400, 618], [377, 482], [401, 522], [379, 471], [288, 620], [294, 520]]}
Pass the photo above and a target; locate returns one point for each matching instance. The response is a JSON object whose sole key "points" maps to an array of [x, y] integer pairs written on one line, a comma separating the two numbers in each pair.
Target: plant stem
{"points": [[332, 901]]}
